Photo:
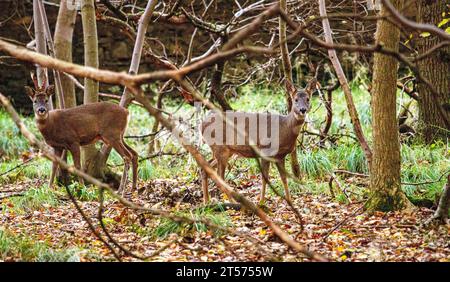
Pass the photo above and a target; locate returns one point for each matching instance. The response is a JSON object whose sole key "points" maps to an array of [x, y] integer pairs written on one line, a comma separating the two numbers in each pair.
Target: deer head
{"points": [[301, 98], [40, 99]]}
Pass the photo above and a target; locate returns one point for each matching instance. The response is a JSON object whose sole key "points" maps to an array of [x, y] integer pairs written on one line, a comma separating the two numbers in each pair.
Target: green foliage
{"points": [[145, 170], [35, 198], [84, 193], [168, 226], [314, 163], [253, 98], [39, 168], [24, 248], [421, 163], [12, 143]]}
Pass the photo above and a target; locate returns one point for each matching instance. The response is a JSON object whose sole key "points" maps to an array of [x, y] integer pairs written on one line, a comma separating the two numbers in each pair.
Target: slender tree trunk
{"points": [[144, 21], [41, 45], [386, 193], [63, 48], [138, 46], [216, 86], [89, 153], [436, 68], [287, 71], [344, 85]]}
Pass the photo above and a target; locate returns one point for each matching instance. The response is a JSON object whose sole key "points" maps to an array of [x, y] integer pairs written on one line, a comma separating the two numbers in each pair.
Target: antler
{"points": [[44, 83], [36, 82]]}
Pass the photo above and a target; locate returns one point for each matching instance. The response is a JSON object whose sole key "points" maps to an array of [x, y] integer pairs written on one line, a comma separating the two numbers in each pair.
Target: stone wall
{"points": [[115, 48]]}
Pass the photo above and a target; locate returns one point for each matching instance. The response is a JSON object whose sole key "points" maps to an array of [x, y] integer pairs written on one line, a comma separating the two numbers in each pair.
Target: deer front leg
{"points": [[205, 177], [58, 152], [282, 170], [265, 166], [75, 151]]}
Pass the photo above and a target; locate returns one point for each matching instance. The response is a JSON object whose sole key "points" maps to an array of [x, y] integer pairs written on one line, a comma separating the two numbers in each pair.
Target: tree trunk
{"points": [[436, 69], [216, 87], [89, 153], [144, 21], [63, 48], [386, 193], [41, 46], [287, 70]]}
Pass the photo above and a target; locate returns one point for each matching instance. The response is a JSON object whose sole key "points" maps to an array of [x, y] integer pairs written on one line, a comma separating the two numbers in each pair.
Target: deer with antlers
{"points": [[68, 129]]}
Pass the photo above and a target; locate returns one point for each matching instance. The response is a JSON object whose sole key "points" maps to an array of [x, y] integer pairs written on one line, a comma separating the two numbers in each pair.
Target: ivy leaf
{"points": [[443, 22], [425, 34]]}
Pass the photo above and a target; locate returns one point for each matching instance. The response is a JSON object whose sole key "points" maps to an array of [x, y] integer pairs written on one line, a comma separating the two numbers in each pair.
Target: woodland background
{"points": [[342, 210]]}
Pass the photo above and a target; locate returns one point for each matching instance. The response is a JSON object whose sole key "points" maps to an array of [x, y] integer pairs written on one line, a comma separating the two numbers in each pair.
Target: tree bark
{"points": [[89, 153], [386, 193], [63, 48], [127, 96], [138, 46], [216, 87], [287, 71], [41, 46], [436, 68]]}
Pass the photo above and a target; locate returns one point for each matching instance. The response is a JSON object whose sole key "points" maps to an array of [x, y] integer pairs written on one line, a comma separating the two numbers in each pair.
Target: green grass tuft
{"points": [[35, 199], [168, 226], [22, 248]]}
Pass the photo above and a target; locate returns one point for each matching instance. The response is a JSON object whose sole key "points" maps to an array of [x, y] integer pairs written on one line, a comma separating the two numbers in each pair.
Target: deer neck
{"points": [[43, 124], [294, 123]]}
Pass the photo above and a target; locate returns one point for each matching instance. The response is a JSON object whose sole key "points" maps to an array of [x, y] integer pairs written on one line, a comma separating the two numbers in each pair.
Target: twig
{"points": [[344, 220], [12, 195], [17, 166], [91, 226]]}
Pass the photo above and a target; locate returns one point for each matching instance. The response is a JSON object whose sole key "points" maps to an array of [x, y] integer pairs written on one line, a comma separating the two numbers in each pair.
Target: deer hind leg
{"points": [[282, 170], [222, 158], [75, 151], [212, 163], [122, 150], [134, 164], [265, 166], [222, 163], [58, 152]]}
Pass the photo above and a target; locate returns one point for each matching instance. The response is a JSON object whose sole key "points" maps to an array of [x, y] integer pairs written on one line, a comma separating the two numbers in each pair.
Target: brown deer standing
{"points": [[288, 130], [68, 129]]}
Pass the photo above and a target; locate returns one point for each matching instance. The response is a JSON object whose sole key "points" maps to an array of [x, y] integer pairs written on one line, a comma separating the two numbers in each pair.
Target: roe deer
{"points": [[68, 129], [283, 129]]}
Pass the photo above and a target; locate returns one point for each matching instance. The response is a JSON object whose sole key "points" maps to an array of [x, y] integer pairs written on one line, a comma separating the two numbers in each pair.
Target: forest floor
{"points": [[341, 232]]}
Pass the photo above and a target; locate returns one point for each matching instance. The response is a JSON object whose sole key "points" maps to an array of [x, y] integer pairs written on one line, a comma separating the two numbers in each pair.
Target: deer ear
{"points": [[312, 86], [29, 91], [290, 88], [50, 90]]}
